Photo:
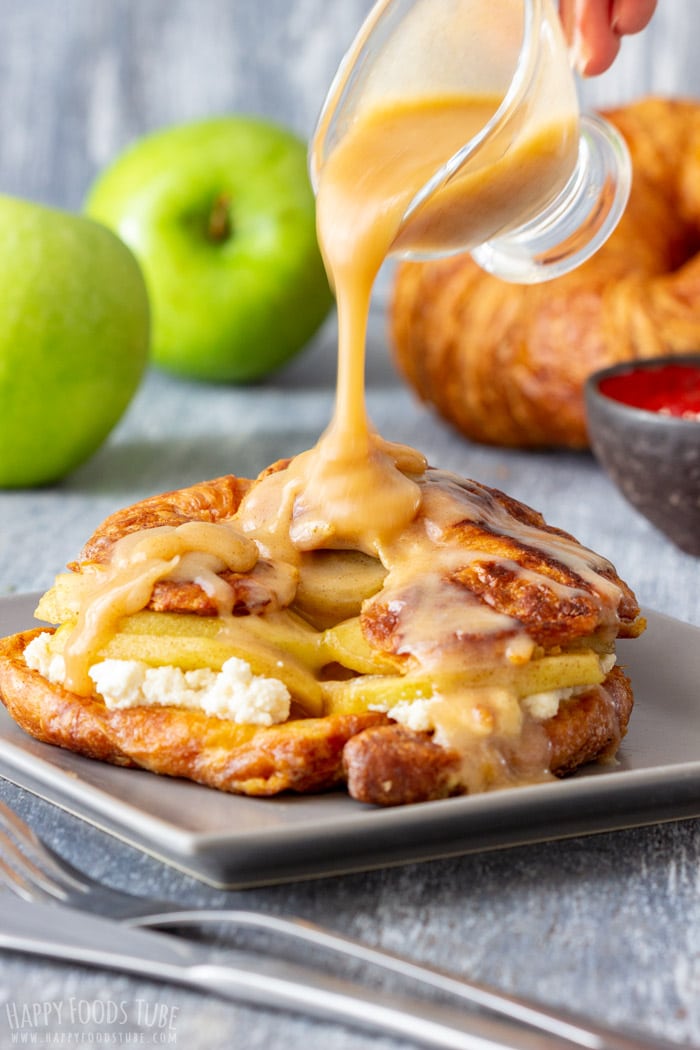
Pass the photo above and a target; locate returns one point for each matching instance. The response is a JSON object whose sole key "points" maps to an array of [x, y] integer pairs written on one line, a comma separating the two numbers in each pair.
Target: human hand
{"points": [[594, 29]]}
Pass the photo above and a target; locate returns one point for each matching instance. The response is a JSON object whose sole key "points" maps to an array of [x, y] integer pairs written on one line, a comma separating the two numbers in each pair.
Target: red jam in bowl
{"points": [[671, 390]]}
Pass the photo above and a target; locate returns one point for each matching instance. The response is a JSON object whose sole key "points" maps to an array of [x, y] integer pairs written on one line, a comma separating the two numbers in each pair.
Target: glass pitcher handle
{"points": [[574, 226]]}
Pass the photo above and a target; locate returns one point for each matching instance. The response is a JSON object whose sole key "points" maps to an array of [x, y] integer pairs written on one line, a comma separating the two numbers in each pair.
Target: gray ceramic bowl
{"points": [[653, 457]]}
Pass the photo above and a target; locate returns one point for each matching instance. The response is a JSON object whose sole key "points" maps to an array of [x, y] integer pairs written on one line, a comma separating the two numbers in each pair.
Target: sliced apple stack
{"points": [[316, 647]]}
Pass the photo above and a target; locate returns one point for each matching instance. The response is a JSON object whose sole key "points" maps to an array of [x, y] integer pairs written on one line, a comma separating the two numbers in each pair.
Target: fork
{"points": [[37, 874]]}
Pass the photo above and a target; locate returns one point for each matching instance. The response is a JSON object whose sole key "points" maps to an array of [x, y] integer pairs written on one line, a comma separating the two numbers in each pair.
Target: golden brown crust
{"points": [[556, 604], [513, 549], [302, 756], [592, 726], [212, 501], [254, 593], [391, 765], [506, 364]]}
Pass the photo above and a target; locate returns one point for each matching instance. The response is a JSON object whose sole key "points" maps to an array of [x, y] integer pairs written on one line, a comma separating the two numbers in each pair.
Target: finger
{"points": [[631, 16], [592, 40]]}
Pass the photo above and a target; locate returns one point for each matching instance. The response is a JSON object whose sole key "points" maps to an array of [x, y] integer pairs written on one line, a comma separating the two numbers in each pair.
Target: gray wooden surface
{"points": [[609, 925]]}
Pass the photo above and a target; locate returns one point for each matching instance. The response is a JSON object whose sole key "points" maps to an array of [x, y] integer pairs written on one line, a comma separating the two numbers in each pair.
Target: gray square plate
{"points": [[231, 841]]}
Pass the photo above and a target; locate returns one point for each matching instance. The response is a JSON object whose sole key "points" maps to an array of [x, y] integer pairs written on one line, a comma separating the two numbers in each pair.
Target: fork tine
{"points": [[35, 860], [14, 881], [23, 872]]}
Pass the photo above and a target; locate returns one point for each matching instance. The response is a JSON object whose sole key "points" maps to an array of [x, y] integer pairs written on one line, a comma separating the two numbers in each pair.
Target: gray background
{"points": [[79, 79], [609, 924]]}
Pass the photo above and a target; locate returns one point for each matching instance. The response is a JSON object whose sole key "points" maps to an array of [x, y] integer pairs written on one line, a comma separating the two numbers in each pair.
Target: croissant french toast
{"points": [[353, 615], [477, 651], [506, 364]]}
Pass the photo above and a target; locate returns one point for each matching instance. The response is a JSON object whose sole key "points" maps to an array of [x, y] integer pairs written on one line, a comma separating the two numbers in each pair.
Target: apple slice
{"points": [[334, 583], [345, 644], [564, 670]]}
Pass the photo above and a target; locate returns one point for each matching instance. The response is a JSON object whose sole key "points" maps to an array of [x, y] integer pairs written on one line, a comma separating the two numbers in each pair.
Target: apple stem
{"points": [[219, 225]]}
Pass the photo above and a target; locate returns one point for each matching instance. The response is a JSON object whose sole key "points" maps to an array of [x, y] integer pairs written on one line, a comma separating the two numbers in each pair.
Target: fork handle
{"points": [[566, 1028]]}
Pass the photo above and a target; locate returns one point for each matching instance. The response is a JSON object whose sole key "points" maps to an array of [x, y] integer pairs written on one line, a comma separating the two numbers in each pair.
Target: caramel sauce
{"points": [[196, 551], [354, 490]]}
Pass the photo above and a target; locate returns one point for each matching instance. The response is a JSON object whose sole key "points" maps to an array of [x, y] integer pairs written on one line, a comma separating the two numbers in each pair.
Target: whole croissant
{"points": [[506, 364]]}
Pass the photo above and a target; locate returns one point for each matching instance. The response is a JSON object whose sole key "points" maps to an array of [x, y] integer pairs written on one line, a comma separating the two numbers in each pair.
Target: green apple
{"points": [[74, 332], [221, 215]]}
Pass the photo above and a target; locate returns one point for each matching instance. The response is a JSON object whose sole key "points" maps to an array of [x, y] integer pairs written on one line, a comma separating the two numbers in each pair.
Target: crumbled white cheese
{"points": [[427, 714], [233, 693], [420, 714], [38, 657], [414, 714], [120, 682], [545, 705]]}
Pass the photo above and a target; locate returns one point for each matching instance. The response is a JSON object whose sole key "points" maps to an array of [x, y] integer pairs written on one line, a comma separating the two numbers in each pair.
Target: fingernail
{"points": [[615, 18], [579, 55]]}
